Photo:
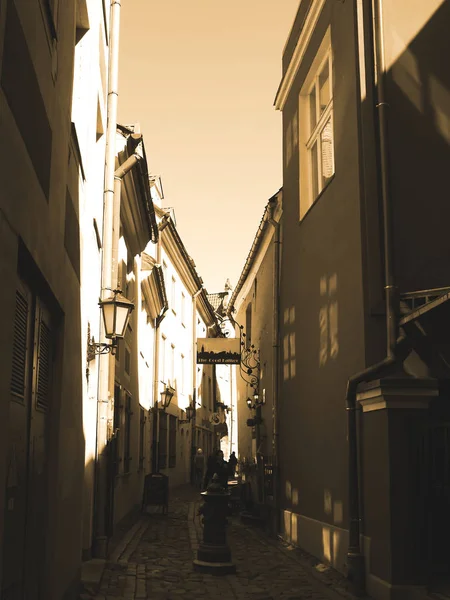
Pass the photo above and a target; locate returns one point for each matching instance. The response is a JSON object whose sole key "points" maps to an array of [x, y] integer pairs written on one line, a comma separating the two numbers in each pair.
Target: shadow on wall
{"points": [[418, 89]]}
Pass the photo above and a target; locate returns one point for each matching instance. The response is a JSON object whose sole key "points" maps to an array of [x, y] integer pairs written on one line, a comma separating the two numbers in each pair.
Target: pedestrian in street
{"points": [[199, 466], [232, 462], [222, 469]]}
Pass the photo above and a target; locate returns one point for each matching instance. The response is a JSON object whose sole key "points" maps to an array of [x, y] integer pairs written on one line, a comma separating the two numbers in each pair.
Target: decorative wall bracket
{"points": [[249, 366]]}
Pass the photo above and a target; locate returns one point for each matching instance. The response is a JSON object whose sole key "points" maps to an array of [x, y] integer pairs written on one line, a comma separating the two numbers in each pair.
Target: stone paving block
{"points": [[156, 563]]}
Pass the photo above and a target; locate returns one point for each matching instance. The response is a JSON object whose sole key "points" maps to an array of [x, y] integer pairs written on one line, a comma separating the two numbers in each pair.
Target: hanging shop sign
{"points": [[223, 351]]}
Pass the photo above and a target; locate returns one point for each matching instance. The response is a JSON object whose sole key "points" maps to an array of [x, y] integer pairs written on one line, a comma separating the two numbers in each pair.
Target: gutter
{"points": [[275, 359], [397, 349]]}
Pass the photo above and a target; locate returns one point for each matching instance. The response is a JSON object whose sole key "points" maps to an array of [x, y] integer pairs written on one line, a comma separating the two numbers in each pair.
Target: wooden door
{"points": [[26, 484]]}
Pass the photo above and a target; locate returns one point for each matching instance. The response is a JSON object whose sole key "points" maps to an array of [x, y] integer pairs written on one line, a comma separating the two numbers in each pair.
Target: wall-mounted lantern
{"points": [[116, 311], [166, 397], [190, 411], [255, 402]]}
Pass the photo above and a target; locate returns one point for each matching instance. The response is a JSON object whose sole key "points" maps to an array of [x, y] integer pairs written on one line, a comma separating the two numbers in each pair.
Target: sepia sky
{"points": [[200, 77]]}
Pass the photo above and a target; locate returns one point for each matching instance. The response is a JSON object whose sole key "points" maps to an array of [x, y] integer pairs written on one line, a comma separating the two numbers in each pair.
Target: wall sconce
{"points": [[166, 397], [255, 402], [116, 312], [190, 411]]}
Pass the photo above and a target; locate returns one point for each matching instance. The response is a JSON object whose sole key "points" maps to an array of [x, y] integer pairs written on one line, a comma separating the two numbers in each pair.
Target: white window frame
{"points": [[173, 294], [162, 357], [308, 137], [172, 364], [183, 309]]}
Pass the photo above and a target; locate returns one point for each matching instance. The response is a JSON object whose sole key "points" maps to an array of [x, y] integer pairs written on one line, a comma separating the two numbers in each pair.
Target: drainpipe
{"points": [[104, 395], [397, 349], [163, 224], [119, 174], [275, 361], [194, 381]]}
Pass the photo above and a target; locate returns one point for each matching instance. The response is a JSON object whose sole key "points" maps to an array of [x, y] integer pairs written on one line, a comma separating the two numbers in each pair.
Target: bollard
{"points": [[214, 554]]}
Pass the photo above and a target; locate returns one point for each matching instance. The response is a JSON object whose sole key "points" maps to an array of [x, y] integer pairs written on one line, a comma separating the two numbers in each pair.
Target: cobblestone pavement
{"points": [[154, 562]]}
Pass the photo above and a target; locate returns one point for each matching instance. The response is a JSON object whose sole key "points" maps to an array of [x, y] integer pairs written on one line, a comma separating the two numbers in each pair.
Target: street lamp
{"points": [[166, 397], [190, 411], [116, 311]]}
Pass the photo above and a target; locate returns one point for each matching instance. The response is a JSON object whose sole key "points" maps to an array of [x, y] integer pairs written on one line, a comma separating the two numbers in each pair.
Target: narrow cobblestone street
{"points": [[154, 561]]}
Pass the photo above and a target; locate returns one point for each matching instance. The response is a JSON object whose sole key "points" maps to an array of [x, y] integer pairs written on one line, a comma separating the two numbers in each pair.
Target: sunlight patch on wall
{"points": [[440, 99], [295, 497], [405, 73], [287, 525], [294, 528], [289, 362], [326, 543], [328, 320], [288, 490], [336, 544], [338, 512], [291, 138], [327, 502]]}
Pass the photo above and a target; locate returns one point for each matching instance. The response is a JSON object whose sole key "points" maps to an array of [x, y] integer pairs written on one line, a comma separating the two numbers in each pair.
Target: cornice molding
{"points": [[298, 54]]}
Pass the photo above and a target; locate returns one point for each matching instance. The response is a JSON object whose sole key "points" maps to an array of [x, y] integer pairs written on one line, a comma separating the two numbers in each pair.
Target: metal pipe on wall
{"points": [[397, 349], [104, 396], [163, 224], [194, 382]]}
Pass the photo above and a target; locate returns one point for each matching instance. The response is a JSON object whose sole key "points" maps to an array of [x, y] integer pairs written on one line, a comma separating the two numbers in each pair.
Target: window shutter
{"points": [[19, 358], [43, 362]]}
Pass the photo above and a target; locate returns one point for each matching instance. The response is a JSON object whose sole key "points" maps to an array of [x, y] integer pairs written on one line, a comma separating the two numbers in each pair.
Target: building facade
{"points": [[253, 306], [362, 379], [189, 315], [42, 447]]}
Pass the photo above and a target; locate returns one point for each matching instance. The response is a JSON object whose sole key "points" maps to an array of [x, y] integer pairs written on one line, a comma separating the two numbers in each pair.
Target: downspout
{"points": [[158, 321], [119, 174], [194, 380], [397, 349], [104, 395], [275, 363]]}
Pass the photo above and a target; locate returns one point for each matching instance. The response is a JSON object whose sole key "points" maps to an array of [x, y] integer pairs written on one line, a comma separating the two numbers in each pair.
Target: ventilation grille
{"points": [[19, 358]]}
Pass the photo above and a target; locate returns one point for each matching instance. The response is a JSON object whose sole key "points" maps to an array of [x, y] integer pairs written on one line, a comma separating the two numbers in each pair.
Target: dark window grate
{"points": [[43, 375], [19, 357]]}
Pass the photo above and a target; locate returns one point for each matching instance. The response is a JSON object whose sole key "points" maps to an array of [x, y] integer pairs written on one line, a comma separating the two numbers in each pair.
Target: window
{"points": [[316, 122], [183, 309], [127, 435], [141, 437], [162, 448], [172, 364], [183, 380], [117, 428], [173, 295], [163, 358], [204, 391], [172, 441], [127, 366], [248, 326]]}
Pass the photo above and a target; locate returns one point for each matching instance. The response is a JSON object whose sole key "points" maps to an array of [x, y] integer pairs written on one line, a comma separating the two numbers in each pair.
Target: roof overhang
{"points": [[137, 212], [152, 286], [299, 52]]}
